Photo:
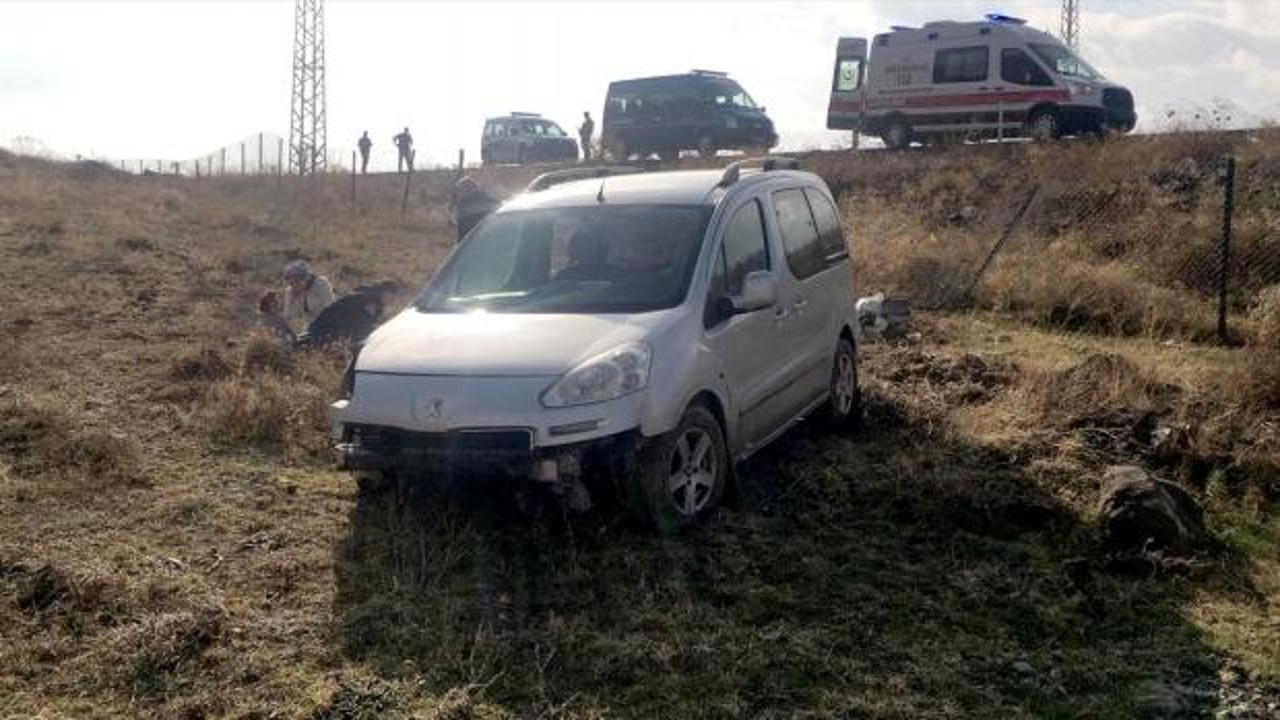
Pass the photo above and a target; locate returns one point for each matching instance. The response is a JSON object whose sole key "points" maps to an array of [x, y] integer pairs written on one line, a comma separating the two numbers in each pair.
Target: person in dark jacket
{"points": [[350, 318], [404, 148], [364, 144], [585, 133], [470, 204]]}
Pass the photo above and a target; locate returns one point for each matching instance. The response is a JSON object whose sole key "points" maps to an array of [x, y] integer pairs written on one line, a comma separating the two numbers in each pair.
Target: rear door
{"points": [[815, 253], [844, 110]]}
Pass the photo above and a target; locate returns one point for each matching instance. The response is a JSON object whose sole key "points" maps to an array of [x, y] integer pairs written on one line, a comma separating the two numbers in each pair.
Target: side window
{"points": [[745, 249], [799, 233], [830, 238], [970, 64], [1017, 67], [848, 75]]}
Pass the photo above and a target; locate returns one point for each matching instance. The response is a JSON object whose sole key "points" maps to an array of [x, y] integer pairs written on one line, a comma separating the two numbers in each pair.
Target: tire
{"points": [[897, 134], [681, 476], [844, 407], [1044, 126], [707, 147]]}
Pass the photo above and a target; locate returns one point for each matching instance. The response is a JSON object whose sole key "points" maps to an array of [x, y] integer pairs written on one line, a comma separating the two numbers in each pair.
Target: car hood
{"points": [[515, 344]]}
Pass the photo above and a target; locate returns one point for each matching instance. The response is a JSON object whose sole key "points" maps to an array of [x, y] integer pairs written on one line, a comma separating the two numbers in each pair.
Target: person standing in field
{"points": [[585, 132], [364, 144], [404, 146], [469, 205]]}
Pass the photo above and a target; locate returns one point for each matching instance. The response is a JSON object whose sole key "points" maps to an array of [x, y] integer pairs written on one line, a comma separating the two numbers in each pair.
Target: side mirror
{"points": [[759, 291]]}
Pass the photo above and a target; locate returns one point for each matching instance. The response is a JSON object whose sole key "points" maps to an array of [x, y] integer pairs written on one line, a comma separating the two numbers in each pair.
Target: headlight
{"points": [[1081, 89], [607, 376]]}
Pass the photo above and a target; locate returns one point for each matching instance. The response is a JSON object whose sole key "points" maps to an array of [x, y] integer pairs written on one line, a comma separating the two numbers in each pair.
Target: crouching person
{"points": [[350, 318], [306, 293]]}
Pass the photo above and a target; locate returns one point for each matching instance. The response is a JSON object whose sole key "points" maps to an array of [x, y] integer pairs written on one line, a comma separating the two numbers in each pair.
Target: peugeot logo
{"points": [[430, 408]]}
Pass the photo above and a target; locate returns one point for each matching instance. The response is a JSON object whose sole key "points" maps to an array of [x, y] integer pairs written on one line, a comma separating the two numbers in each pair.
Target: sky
{"points": [[177, 80]]}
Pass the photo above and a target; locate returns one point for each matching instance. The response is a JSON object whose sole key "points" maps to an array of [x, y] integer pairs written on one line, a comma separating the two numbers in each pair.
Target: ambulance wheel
{"points": [[1044, 125], [897, 134]]}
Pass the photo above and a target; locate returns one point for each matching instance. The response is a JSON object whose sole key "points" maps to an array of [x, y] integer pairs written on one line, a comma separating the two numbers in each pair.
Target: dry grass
{"points": [[902, 572]]}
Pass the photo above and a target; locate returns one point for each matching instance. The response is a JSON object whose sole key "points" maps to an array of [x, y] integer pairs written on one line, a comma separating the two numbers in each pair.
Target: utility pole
{"points": [[308, 150], [1071, 23]]}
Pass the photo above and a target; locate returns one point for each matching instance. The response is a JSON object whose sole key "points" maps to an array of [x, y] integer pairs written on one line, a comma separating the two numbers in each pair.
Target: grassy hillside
{"points": [[173, 542]]}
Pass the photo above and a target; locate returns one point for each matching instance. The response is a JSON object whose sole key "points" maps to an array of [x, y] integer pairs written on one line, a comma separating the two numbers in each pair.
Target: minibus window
{"points": [[1064, 62], [958, 65], [1017, 67]]}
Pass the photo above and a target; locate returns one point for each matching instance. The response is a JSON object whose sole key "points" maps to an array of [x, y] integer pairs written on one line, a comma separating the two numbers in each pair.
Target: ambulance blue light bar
{"points": [[997, 18], [900, 28]]}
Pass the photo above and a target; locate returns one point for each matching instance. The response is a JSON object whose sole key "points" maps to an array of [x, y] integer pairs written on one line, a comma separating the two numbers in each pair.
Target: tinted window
{"points": [[961, 65], [745, 249], [828, 221], [1017, 67], [800, 237]]}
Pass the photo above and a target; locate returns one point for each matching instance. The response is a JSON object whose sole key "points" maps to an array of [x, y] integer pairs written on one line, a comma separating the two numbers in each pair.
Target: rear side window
{"points": [[970, 64], [800, 236], [830, 238], [745, 249], [1017, 67]]}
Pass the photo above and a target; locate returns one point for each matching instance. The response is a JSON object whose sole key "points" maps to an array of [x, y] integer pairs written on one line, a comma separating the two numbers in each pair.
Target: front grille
{"points": [[390, 440], [1117, 99]]}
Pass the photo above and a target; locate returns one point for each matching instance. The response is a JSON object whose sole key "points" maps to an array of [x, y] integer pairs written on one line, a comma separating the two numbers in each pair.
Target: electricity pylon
{"points": [[308, 149], [1071, 23]]}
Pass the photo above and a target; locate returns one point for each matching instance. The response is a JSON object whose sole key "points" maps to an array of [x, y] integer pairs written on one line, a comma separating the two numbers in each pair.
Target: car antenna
{"points": [[600, 194]]}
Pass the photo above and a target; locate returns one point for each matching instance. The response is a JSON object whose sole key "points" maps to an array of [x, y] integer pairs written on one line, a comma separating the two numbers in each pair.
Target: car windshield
{"points": [[1064, 62], [598, 259], [544, 128]]}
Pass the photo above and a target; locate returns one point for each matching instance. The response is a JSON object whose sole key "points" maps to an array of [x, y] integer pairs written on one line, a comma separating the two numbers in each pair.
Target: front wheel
{"points": [[682, 474], [844, 407], [707, 147], [1044, 126]]}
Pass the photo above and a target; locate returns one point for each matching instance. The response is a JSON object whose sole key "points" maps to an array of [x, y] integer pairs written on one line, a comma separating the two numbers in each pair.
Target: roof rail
{"points": [[556, 177], [713, 73], [766, 162], [526, 114], [998, 18]]}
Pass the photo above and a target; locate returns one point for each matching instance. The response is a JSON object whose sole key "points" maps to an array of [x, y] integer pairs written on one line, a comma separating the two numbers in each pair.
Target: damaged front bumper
{"points": [[509, 453]]}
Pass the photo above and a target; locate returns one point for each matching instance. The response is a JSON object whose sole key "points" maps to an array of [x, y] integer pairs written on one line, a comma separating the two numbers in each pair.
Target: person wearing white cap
{"points": [[306, 293]]}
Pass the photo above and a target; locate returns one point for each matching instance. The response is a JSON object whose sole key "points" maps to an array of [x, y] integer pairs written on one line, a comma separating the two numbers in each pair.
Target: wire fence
{"points": [[257, 154], [1177, 245]]}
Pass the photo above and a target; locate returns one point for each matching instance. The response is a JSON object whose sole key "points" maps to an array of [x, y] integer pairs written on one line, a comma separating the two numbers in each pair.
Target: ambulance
{"points": [[994, 78]]}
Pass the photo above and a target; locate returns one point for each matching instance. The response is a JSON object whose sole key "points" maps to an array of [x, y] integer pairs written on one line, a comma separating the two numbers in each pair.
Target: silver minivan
{"points": [[608, 327]]}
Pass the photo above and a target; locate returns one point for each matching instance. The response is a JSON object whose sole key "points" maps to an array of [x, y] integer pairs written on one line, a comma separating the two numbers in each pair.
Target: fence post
{"points": [[243, 169], [279, 156], [462, 159], [222, 162], [1227, 174], [259, 153], [353, 179], [404, 199]]}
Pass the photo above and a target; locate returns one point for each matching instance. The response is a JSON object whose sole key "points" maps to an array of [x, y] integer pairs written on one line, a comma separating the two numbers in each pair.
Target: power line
{"points": [[1071, 23], [308, 151]]}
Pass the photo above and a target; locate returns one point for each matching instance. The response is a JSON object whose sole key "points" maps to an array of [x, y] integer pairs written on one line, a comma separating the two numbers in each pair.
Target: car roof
{"points": [[717, 78], [503, 118], [676, 187]]}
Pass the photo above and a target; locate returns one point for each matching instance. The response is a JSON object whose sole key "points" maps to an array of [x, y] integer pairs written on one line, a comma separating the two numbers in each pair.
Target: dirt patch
{"points": [[968, 378], [204, 365]]}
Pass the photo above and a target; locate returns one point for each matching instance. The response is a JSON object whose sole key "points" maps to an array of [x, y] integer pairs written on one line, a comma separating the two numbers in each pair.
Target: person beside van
{"points": [[306, 293], [585, 132], [469, 205]]}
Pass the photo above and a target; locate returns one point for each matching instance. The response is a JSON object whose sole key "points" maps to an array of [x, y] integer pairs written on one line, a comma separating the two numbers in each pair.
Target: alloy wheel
{"points": [[692, 472]]}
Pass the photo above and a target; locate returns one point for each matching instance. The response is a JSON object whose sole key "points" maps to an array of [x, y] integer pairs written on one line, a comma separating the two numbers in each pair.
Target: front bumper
{"points": [[507, 453], [1081, 119]]}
